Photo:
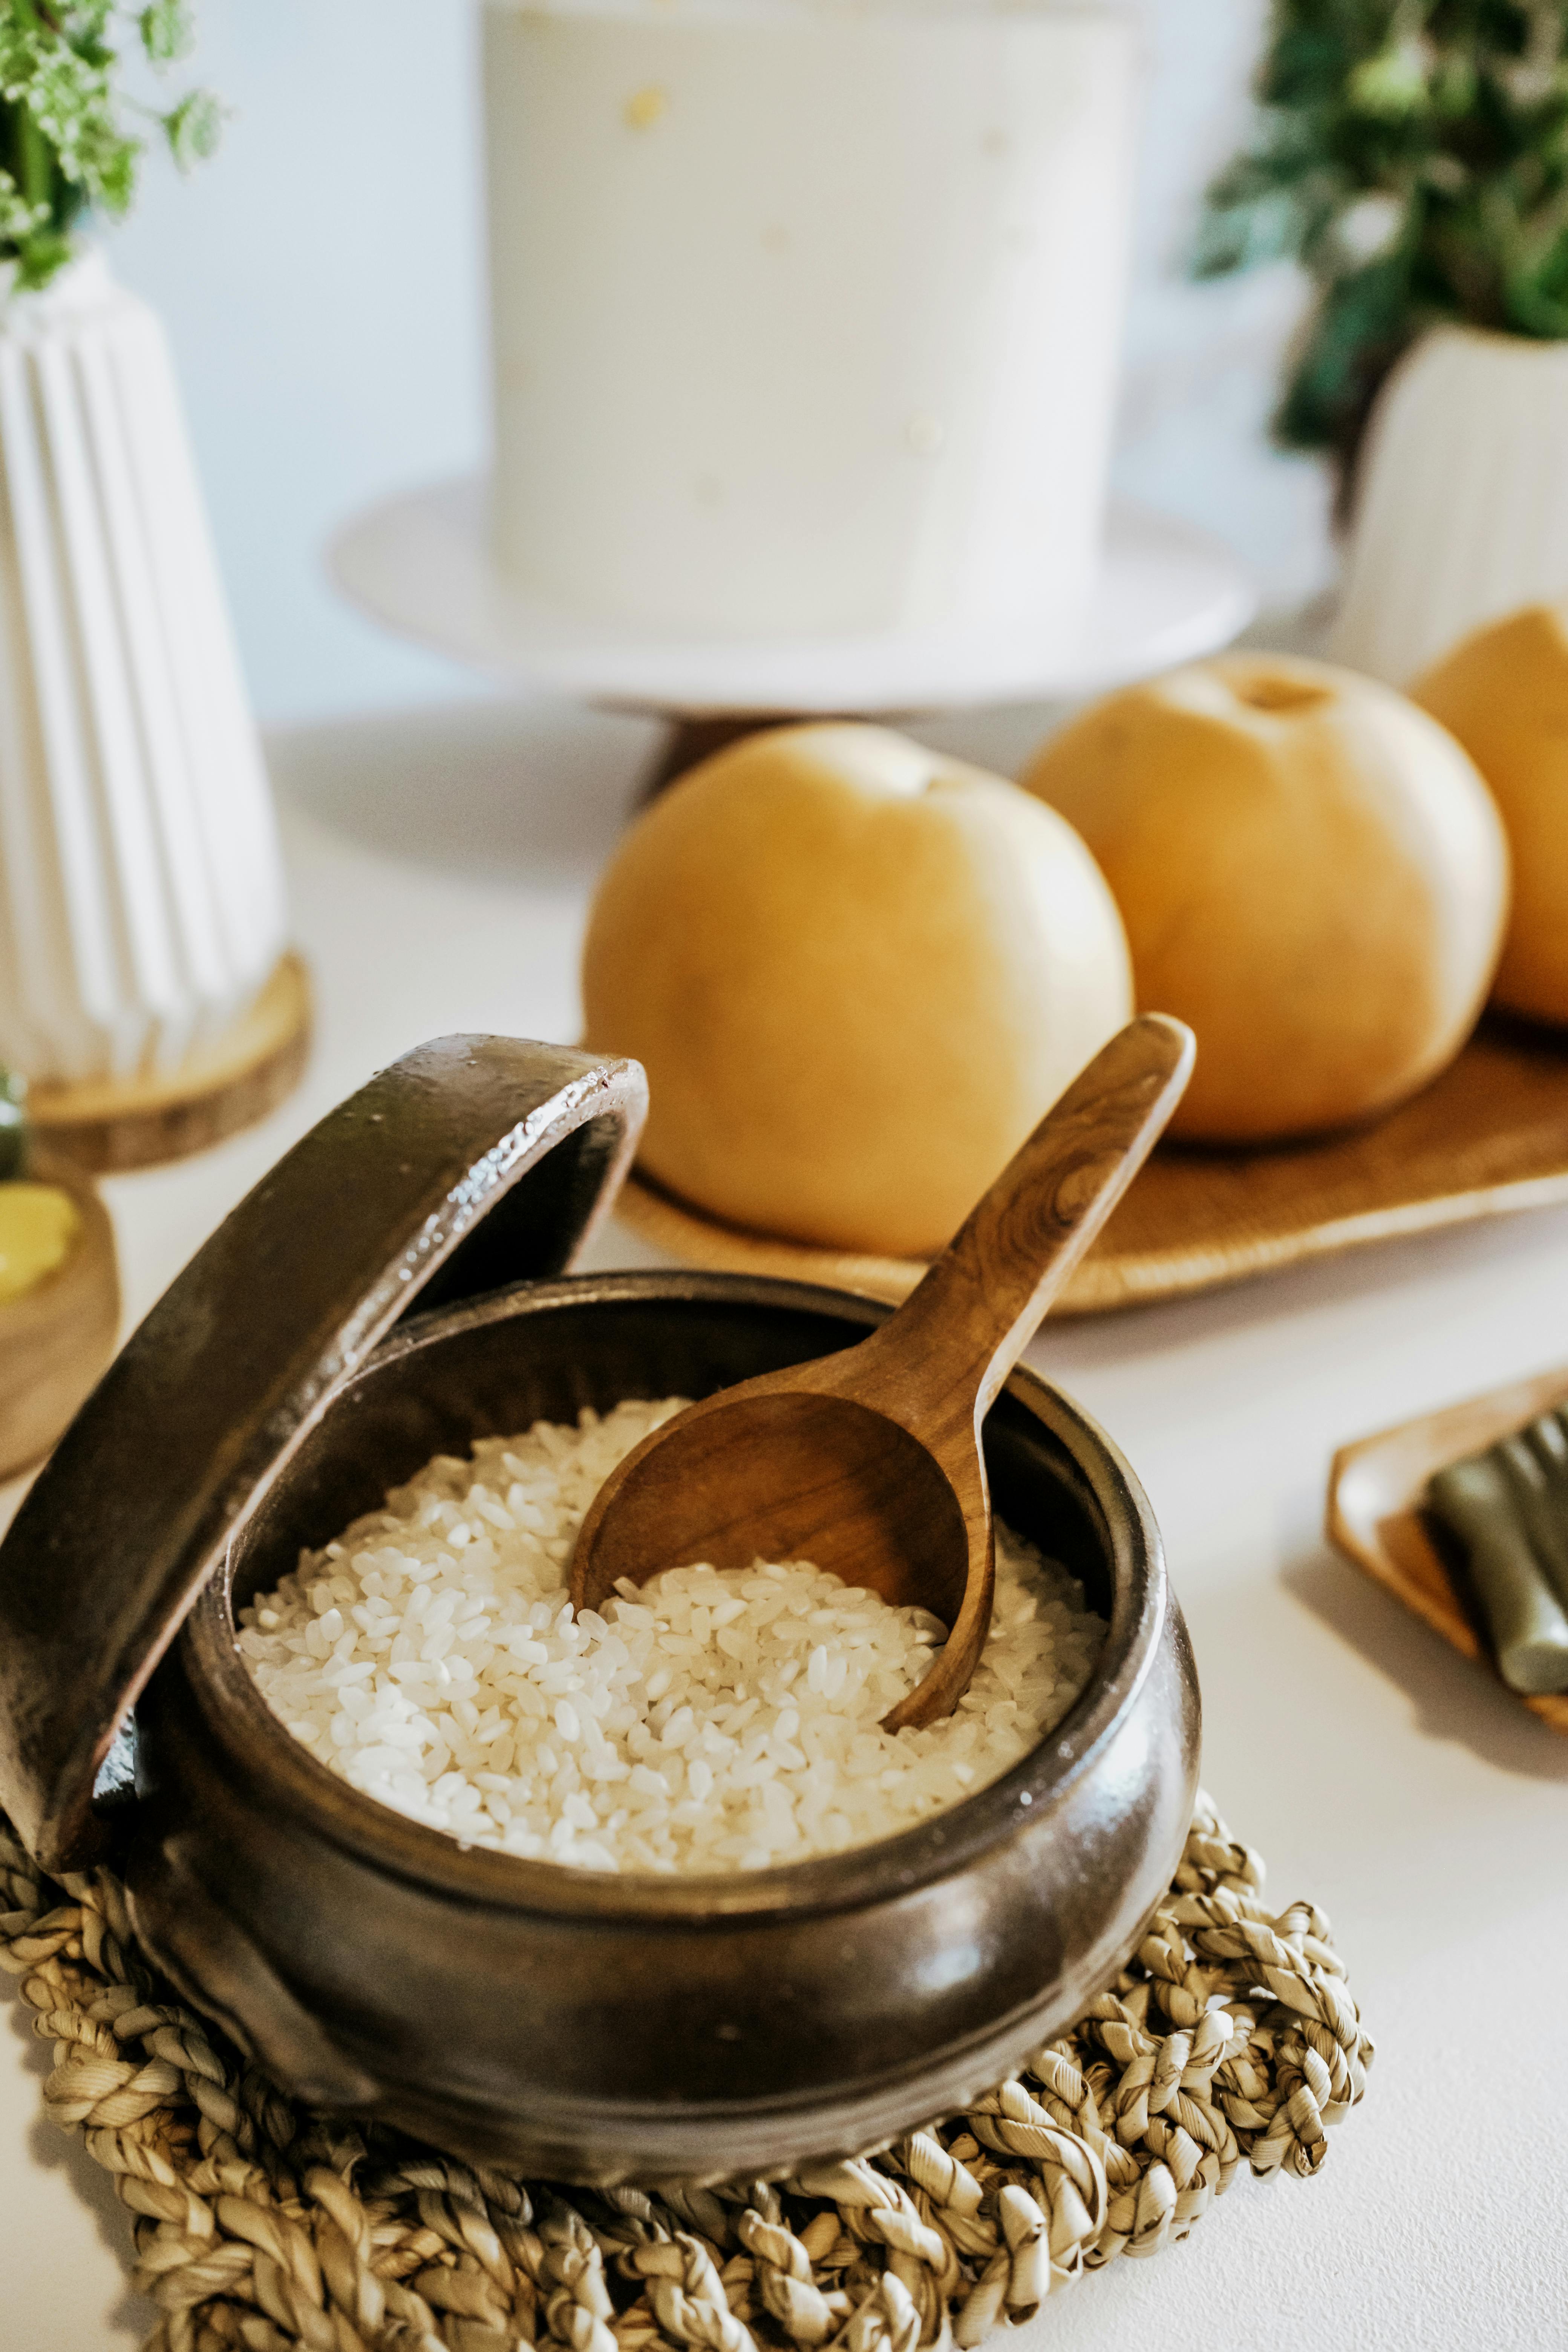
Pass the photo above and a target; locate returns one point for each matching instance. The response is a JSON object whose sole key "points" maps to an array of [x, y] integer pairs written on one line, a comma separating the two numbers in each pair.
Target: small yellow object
{"points": [[38, 1226], [645, 106]]}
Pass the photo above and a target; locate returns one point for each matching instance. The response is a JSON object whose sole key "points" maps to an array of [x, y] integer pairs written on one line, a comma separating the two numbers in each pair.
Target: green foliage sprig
{"points": [[66, 140], [1412, 156]]}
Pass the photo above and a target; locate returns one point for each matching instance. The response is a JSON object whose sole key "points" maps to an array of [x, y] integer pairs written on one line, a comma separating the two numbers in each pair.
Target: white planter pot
{"points": [[807, 319], [141, 896], [1462, 515]]}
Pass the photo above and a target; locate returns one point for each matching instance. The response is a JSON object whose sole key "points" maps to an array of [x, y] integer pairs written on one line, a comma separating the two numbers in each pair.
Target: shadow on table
{"points": [[525, 790], [54, 2150], [489, 790], [1454, 1698]]}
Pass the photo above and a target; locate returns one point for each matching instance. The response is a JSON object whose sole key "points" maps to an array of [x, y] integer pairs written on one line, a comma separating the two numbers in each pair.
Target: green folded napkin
{"points": [[1508, 1508]]}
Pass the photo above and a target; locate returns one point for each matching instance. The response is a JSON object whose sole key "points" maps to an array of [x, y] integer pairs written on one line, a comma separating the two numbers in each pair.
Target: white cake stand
{"points": [[420, 563]]}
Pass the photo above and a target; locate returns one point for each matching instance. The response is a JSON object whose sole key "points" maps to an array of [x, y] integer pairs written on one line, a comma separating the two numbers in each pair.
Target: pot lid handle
{"points": [[472, 1162]]}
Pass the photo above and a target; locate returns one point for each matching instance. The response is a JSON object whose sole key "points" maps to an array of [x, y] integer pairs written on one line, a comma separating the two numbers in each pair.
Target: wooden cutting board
{"points": [[1489, 1136], [1374, 1494]]}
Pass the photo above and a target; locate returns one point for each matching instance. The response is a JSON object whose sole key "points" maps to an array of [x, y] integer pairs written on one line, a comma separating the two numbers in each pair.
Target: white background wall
{"points": [[321, 281]]}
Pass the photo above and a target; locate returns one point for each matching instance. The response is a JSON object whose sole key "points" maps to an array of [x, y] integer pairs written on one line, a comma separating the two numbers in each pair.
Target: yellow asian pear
{"points": [[858, 973], [1504, 693], [1312, 875]]}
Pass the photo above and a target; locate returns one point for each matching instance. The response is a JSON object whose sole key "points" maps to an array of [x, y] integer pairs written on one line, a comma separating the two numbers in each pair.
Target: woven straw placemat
{"points": [[1231, 2036]]}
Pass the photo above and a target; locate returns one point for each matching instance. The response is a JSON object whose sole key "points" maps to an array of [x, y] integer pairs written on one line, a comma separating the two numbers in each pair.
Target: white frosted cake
{"points": [[805, 318]]}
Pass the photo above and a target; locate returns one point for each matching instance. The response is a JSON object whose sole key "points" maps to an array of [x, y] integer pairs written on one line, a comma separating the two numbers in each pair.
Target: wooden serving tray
{"points": [[1489, 1136], [1374, 1494]]}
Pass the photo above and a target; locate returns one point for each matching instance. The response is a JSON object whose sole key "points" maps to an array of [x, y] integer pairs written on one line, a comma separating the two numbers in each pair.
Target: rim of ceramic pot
{"points": [[283, 1775]]}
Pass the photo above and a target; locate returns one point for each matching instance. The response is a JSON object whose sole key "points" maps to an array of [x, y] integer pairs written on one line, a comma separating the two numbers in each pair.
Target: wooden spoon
{"points": [[868, 1463]]}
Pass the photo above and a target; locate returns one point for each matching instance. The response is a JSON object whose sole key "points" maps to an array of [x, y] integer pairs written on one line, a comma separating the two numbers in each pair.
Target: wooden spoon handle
{"points": [[954, 1342]]}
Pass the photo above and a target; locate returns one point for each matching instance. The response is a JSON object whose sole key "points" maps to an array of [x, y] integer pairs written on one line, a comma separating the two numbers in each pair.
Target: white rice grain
{"points": [[716, 1720]]}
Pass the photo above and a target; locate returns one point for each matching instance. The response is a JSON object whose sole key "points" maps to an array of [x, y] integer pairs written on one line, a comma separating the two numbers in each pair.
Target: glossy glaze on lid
{"points": [[469, 1162]]}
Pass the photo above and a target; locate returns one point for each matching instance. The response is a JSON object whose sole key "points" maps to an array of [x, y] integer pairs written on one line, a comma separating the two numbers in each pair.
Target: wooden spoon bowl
{"points": [[805, 1475], [868, 1463]]}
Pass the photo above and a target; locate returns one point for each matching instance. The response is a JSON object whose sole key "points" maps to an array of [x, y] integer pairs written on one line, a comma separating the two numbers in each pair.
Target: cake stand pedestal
{"points": [[421, 565]]}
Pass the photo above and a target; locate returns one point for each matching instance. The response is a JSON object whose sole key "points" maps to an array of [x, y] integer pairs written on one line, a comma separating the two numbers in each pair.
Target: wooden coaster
{"points": [[1374, 1496], [226, 1086], [56, 1339], [1487, 1137]]}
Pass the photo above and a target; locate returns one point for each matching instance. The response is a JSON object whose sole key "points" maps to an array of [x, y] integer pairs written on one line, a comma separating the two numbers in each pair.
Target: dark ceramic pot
{"points": [[610, 2029]]}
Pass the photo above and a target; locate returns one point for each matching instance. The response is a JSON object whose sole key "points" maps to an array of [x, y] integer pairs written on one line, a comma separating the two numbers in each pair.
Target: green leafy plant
{"points": [[1412, 156], [68, 140]]}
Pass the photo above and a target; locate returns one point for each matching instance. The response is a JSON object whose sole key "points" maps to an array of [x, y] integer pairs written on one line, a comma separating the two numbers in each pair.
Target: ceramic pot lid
{"points": [[472, 1162]]}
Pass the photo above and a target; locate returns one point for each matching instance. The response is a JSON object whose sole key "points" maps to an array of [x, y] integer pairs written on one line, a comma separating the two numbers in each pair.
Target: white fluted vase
{"points": [[142, 907], [1462, 511]]}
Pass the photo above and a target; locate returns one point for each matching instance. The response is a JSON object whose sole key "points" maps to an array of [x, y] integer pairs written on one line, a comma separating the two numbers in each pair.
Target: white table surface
{"points": [[441, 867]]}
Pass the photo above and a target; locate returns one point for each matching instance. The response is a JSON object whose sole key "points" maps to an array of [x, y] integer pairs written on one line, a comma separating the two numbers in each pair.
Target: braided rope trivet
{"points": [[257, 2224]]}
